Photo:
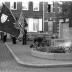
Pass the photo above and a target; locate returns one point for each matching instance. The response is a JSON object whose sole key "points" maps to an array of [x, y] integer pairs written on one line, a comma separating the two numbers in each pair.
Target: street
{"points": [[8, 64]]}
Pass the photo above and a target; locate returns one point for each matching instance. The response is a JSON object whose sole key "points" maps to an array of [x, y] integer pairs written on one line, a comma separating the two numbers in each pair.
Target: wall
{"points": [[51, 16], [27, 13]]}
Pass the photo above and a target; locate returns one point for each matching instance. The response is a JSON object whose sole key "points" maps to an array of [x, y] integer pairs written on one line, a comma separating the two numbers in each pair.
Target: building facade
{"points": [[40, 16], [51, 24], [33, 17]]}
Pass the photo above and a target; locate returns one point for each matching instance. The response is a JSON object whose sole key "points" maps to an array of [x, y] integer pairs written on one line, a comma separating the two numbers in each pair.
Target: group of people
{"points": [[24, 38]]}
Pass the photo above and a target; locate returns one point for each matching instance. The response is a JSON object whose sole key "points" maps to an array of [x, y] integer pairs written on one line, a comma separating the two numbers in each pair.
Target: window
{"points": [[61, 20], [40, 24], [30, 24], [34, 25], [35, 6], [60, 2], [67, 20], [25, 5], [49, 8], [60, 9], [13, 5]]}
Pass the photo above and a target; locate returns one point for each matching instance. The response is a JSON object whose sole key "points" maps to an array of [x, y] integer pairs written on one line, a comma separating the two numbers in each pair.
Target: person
{"points": [[25, 37], [14, 39], [5, 37], [2, 34], [25, 32]]}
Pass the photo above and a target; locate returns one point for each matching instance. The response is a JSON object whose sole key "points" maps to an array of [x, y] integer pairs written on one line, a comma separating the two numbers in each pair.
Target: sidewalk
{"points": [[22, 54]]}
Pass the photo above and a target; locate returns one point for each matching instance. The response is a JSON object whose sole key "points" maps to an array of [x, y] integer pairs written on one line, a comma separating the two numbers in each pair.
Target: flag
{"points": [[21, 21], [25, 23], [7, 22], [21, 24]]}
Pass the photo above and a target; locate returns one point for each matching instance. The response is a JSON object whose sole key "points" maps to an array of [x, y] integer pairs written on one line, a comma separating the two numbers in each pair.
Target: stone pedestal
{"points": [[64, 31]]}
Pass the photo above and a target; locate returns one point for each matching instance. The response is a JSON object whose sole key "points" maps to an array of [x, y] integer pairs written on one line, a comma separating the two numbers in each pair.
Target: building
{"points": [[51, 24], [41, 16], [34, 16]]}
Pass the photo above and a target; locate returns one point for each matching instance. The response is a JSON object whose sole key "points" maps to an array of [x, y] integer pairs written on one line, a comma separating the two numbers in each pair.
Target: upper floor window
{"points": [[13, 5], [35, 6], [49, 8], [60, 9], [25, 5]]}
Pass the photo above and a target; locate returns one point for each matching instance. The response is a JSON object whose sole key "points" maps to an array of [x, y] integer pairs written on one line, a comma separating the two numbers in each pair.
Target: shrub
{"points": [[42, 49], [57, 50]]}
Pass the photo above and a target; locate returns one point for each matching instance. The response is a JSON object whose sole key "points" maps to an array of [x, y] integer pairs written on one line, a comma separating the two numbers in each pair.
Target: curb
{"points": [[36, 65], [16, 58], [52, 56]]}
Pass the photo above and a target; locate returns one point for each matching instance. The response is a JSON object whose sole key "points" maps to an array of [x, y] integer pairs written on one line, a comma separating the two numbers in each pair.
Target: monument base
{"points": [[53, 56]]}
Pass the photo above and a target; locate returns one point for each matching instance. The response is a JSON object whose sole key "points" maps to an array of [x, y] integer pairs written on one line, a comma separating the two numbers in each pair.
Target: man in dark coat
{"points": [[25, 37], [5, 37], [14, 40], [2, 35]]}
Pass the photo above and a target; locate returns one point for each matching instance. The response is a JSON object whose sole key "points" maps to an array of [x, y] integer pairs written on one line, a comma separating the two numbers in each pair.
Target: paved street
{"points": [[24, 56], [8, 64]]}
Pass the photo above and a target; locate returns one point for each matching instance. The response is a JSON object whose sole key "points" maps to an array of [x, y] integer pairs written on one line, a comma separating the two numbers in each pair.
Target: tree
{"points": [[66, 11]]}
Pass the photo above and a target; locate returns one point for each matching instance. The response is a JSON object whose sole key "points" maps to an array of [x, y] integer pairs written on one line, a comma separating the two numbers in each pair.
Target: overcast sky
{"points": [[35, 0]]}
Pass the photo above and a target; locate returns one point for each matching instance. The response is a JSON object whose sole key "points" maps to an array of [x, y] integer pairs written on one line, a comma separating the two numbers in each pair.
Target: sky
{"points": [[35, 0]]}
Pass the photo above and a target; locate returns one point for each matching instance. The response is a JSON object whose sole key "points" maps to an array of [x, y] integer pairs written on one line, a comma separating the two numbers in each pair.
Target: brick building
{"points": [[51, 24], [41, 16], [33, 17]]}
